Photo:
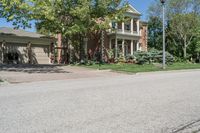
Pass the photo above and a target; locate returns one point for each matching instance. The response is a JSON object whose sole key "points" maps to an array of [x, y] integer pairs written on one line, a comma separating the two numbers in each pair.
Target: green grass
{"points": [[134, 68], [180, 66]]}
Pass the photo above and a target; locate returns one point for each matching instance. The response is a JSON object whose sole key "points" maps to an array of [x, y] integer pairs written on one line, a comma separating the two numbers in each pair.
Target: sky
{"points": [[140, 5]]}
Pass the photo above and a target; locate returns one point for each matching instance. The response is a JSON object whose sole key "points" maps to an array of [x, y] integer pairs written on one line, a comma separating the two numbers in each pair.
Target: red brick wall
{"points": [[94, 42], [144, 37]]}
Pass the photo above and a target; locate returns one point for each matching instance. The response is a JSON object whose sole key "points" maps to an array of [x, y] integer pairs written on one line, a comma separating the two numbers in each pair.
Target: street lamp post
{"points": [[163, 5]]}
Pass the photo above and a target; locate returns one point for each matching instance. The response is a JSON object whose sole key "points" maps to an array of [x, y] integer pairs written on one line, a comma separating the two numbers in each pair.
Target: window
{"points": [[140, 46], [119, 25], [134, 25], [119, 42], [127, 27], [113, 25]]}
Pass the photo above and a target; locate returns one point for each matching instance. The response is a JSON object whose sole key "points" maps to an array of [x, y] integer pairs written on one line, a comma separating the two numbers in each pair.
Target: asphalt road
{"points": [[161, 102]]}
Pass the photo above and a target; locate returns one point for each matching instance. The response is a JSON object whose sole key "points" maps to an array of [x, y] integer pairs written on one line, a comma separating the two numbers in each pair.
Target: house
{"points": [[124, 38], [127, 37], [19, 46]]}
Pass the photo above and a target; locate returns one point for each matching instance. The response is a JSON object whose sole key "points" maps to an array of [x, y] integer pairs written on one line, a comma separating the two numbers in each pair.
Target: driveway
{"points": [[161, 102], [34, 73]]}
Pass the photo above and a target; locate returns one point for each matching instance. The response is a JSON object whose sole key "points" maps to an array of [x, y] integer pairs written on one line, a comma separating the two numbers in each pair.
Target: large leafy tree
{"points": [[183, 30], [182, 22], [74, 19], [155, 32], [65, 16], [17, 11]]}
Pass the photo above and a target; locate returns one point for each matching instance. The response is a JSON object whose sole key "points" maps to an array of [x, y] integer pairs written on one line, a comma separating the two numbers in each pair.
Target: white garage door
{"points": [[40, 54]]}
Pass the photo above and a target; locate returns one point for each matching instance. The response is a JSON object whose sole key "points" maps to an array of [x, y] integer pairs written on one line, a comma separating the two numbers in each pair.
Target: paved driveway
{"points": [[33, 73], [161, 102]]}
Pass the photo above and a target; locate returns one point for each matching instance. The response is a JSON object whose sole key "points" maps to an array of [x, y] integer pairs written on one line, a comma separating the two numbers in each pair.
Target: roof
{"points": [[143, 22], [131, 9], [19, 32]]}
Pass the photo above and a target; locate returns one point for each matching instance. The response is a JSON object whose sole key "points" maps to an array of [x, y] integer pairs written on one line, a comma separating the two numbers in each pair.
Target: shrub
{"points": [[152, 56], [130, 59], [110, 53], [121, 58]]}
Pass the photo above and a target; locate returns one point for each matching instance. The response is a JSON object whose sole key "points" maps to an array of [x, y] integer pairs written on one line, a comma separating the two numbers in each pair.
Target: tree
{"points": [[65, 16], [155, 32], [182, 30], [182, 22], [17, 11], [71, 18], [197, 44]]}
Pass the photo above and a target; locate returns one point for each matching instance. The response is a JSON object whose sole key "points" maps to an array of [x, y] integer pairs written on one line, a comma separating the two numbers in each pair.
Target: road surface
{"points": [[160, 102]]}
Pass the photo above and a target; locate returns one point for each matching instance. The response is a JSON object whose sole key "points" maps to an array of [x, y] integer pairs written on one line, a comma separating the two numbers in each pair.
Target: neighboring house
{"points": [[19, 47], [127, 37]]}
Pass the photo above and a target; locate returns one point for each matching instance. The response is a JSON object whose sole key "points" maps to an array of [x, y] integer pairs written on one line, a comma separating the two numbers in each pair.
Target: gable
{"points": [[132, 10]]}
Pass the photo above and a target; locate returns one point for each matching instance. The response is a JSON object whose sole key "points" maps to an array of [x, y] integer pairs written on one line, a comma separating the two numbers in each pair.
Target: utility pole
{"points": [[164, 61], [102, 45]]}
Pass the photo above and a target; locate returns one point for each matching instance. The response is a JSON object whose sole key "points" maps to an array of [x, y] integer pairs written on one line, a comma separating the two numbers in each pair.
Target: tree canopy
{"points": [[60, 16], [182, 22]]}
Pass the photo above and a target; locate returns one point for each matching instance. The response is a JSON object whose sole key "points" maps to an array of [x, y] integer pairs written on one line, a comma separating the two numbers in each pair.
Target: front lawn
{"points": [[134, 68], [179, 66]]}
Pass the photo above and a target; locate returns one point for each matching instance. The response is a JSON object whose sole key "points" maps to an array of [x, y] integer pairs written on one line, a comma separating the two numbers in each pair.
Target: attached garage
{"points": [[19, 47], [41, 53]]}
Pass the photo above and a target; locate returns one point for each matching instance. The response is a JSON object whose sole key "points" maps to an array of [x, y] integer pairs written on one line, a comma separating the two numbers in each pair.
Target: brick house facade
{"points": [[126, 38]]}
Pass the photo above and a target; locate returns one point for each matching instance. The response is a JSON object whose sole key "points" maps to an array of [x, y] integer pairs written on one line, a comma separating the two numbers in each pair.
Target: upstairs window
{"points": [[127, 27], [135, 25], [113, 25]]}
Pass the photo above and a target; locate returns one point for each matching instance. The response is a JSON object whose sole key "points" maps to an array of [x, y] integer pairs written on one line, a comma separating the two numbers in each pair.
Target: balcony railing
{"points": [[119, 30], [125, 31]]}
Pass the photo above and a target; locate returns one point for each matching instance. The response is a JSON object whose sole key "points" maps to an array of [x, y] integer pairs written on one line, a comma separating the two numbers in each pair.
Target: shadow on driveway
{"points": [[27, 68]]}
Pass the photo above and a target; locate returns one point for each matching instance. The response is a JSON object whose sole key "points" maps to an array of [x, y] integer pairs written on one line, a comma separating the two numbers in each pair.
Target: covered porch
{"points": [[124, 46]]}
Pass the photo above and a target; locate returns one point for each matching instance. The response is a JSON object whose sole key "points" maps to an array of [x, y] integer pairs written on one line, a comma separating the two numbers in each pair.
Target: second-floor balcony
{"points": [[130, 28]]}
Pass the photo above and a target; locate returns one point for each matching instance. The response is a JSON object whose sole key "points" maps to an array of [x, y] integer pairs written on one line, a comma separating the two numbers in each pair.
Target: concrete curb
{"points": [[168, 71], [165, 71]]}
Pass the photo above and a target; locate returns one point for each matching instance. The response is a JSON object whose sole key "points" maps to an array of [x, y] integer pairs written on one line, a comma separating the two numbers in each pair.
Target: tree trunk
{"points": [[198, 57], [185, 49], [184, 52], [82, 52]]}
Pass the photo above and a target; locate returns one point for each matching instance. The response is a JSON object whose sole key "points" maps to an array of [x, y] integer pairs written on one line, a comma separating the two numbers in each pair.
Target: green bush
{"points": [[120, 59], [130, 59], [152, 56], [111, 56]]}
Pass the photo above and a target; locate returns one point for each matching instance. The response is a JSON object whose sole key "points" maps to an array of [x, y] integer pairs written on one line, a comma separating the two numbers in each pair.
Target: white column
{"points": [[116, 47], [138, 27], [122, 27], [132, 26], [110, 24], [131, 47], [138, 48], [123, 49]]}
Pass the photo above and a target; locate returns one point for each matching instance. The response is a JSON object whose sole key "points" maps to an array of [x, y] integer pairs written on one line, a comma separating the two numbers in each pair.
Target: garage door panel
{"points": [[41, 54]]}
